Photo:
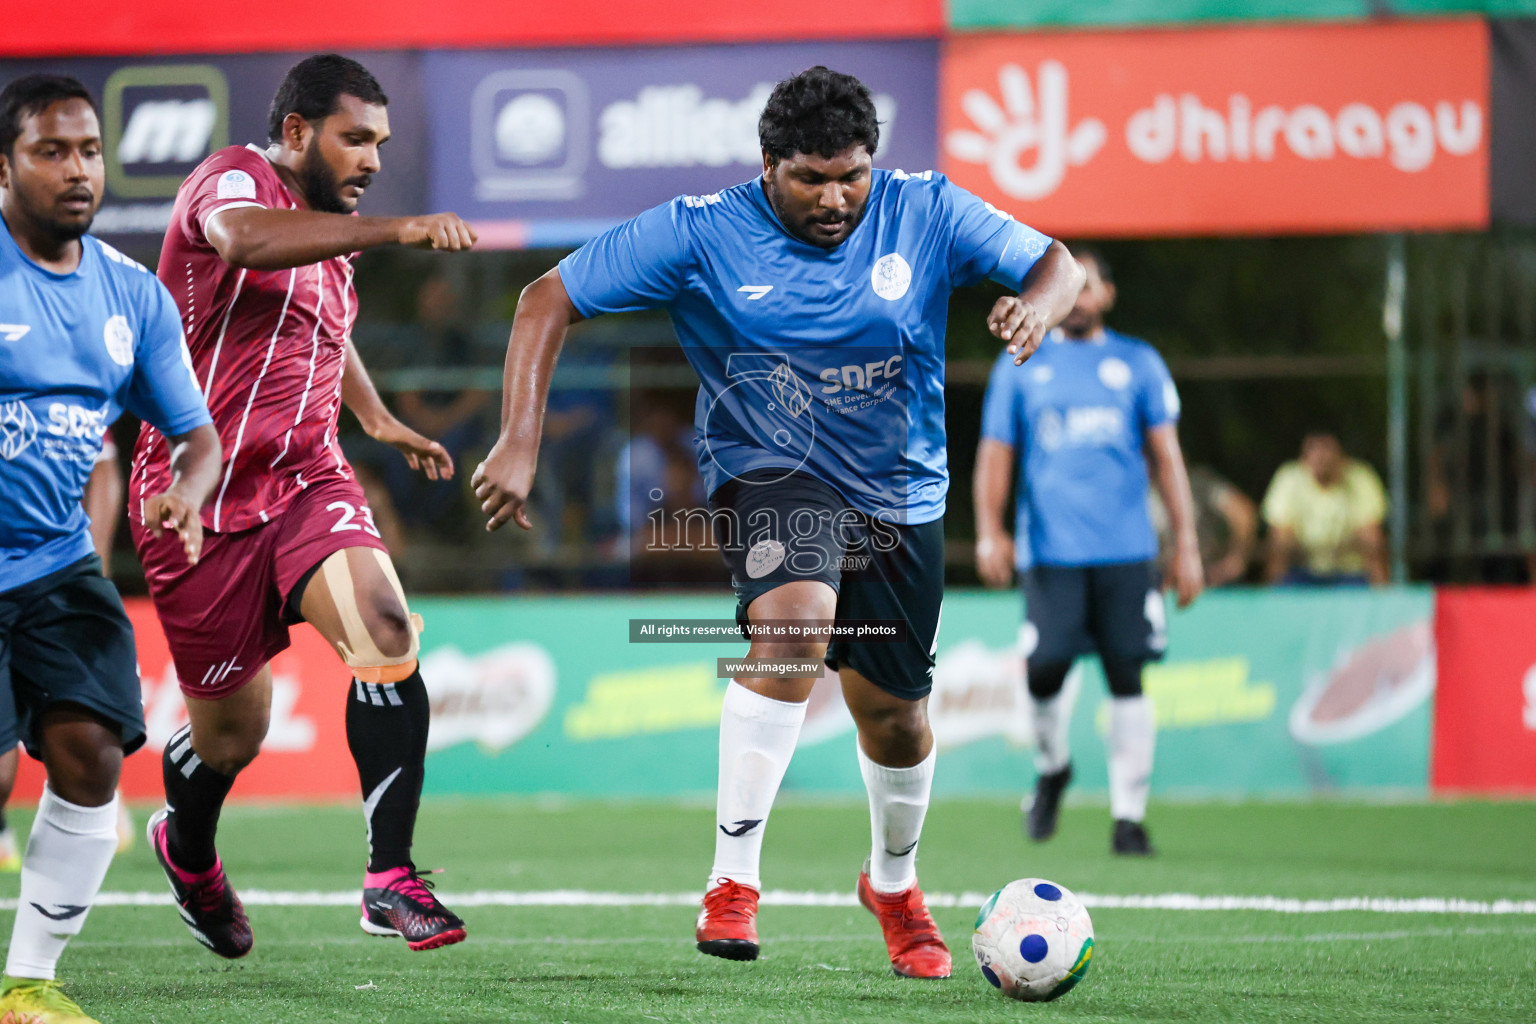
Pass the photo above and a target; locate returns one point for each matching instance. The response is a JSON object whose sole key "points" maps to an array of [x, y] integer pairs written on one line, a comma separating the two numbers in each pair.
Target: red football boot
{"points": [[913, 940], [727, 925]]}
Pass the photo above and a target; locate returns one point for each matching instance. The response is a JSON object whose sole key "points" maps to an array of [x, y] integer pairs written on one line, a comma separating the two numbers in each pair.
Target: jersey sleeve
{"points": [[1157, 398], [984, 242], [163, 390], [227, 180], [998, 419], [641, 264]]}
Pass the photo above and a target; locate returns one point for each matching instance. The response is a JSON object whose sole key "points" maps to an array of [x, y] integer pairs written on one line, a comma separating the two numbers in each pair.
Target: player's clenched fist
{"points": [[502, 484], [1019, 324], [446, 232]]}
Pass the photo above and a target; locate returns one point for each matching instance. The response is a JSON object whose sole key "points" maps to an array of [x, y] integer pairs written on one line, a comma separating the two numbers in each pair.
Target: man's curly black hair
{"points": [[818, 111]]}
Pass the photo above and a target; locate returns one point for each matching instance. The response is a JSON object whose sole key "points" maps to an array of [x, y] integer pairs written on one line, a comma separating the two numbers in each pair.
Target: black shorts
{"points": [[780, 529], [1115, 611], [65, 639]]}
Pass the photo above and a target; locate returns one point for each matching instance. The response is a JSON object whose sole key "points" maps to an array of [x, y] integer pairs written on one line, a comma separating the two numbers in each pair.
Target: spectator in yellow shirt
{"points": [[1324, 513]]}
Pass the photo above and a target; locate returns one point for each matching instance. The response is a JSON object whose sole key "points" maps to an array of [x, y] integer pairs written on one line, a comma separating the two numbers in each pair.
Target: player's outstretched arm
{"points": [[989, 487], [360, 396], [256, 238], [503, 481], [1172, 482], [195, 460], [1050, 289]]}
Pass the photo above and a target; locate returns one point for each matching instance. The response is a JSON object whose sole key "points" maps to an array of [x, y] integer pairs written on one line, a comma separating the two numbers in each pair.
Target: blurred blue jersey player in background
{"points": [[811, 302], [1081, 422], [84, 333]]}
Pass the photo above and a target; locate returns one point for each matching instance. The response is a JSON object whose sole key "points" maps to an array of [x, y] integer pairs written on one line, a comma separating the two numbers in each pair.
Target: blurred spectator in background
{"points": [[580, 436], [661, 508], [1324, 512], [401, 498], [1226, 526], [1477, 466]]}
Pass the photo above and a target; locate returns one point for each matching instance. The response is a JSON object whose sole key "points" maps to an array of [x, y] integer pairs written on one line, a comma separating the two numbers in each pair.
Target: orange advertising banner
{"points": [[1255, 130], [305, 755]]}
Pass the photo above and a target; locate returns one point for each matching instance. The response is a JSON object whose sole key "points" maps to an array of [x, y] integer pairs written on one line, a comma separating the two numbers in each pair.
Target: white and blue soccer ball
{"points": [[1033, 940]]}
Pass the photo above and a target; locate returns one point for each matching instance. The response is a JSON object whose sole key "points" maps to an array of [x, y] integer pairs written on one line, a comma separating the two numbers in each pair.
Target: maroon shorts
{"points": [[228, 615]]}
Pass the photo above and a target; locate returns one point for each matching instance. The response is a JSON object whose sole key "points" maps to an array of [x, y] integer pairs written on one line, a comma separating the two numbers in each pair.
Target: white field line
{"points": [[673, 940], [785, 898]]}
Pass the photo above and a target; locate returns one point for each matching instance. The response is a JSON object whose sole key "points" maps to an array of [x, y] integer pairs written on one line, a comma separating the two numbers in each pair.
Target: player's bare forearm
{"points": [[362, 398], [990, 483], [256, 238], [103, 503], [989, 486], [1049, 292], [1053, 283], [196, 458], [502, 482], [1172, 482]]}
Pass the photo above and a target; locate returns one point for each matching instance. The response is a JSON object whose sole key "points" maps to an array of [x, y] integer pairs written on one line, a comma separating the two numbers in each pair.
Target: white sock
{"points": [[1132, 737], [67, 857], [757, 739], [898, 801], [1053, 722]]}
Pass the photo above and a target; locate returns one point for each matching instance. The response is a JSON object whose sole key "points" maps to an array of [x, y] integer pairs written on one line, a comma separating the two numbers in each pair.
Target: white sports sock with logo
{"points": [[67, 857], [757, 739], [898, 802], [1132, 737]]}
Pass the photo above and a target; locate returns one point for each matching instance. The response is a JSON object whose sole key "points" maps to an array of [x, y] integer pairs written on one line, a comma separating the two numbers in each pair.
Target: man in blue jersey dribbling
{"points": [[85, 332], [812, 303], [1082, 421]]}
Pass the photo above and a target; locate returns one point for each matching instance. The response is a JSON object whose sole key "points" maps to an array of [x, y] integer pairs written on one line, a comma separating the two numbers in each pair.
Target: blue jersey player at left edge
{"points": [[85, 333], [812, 303]]}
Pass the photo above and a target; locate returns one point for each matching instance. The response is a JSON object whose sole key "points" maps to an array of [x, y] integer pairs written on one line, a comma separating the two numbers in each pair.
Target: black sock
{"points": [[387, 734], [195, 793]]}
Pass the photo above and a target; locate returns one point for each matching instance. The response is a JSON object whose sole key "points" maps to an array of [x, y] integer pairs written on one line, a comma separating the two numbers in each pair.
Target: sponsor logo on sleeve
{"points": [[236, 185]]}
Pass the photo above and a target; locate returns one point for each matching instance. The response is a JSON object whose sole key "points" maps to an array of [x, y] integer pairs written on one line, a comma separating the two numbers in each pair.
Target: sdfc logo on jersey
{"points": [[891, 277], [18, 429], [119, 338], [1115, 374]]}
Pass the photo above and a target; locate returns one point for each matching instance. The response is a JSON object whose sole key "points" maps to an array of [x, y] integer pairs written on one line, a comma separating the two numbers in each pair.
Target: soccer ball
{"points": [[1033, 940]]}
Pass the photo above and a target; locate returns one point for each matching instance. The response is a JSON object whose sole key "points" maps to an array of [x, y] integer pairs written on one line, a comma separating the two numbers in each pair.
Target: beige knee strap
{"points": [[359, 651]]}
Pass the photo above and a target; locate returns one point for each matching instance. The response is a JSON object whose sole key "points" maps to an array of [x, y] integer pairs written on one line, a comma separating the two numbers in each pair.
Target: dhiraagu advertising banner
{"points": [[1263, 692]]}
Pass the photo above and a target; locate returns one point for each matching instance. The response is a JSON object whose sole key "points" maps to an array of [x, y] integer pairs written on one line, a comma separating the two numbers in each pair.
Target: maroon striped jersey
{"points": [[268, 348]]}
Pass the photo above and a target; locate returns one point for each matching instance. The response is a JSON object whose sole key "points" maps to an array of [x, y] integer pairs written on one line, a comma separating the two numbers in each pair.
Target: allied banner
{"points": [[550, 695], [1485, 710], [547, 147], [1273, 130], [162, 117]]}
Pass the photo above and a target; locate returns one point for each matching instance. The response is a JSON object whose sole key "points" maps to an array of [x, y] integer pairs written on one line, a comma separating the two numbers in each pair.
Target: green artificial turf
{"points": [[588, 963]]}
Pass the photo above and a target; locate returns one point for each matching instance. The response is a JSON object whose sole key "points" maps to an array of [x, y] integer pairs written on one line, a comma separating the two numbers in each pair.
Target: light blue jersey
{"points": [[75, 350], [826, 361], [1076, 415]]}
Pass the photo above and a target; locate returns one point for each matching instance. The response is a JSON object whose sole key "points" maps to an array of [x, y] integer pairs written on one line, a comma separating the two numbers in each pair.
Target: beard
{"points": [[801, 229], [1078, 323], [321, 189]]}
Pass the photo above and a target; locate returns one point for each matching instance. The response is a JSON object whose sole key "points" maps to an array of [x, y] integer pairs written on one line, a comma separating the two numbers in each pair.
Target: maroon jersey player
{"points": [[259, 259]]}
